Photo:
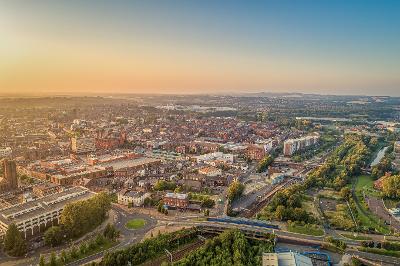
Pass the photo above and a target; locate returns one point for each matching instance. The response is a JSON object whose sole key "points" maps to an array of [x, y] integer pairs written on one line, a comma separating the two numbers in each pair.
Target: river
{"points": [[379, 156]]}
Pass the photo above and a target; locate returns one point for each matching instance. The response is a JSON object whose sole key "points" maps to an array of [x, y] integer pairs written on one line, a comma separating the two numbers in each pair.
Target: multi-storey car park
{"points": [[35, 216]]}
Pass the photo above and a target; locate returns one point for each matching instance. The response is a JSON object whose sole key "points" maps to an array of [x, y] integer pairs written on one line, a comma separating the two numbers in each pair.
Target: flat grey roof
{"points": [[127, 163], [24, 211]]}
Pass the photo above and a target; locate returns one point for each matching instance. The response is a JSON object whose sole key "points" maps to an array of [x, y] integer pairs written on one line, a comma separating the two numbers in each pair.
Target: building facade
{"points": [[136, 198], [291, 146], [35, 216], [176, 200], [285, 259], [10, 179]]}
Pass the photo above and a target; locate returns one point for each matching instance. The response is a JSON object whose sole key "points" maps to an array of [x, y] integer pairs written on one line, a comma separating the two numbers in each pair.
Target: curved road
{"points": [[129, 236]]}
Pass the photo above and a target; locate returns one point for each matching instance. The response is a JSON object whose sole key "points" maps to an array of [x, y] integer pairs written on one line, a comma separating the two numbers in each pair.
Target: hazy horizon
{"points": [[207, 47], [233, 94]]}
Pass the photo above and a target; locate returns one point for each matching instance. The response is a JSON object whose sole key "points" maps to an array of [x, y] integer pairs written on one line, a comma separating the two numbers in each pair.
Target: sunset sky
{"points": [[328, 47]]}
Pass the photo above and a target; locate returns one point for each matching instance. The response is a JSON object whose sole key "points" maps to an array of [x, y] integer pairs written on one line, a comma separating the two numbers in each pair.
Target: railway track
{"points": [[176, 255], [181, 253], [259, 205]]}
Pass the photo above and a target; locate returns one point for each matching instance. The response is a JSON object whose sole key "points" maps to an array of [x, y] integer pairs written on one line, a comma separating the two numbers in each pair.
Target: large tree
{"points": [[81, 217], [235, 190], [264, 163], [391, 186], [53, 236], [14, 243]]}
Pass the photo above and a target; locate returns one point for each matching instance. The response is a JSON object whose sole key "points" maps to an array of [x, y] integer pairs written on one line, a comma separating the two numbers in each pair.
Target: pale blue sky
{"points": [[342, 47]]}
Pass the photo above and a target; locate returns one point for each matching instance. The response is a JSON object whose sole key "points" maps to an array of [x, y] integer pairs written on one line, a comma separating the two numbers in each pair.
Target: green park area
{"points": [[356, 237], [364, 184], [306, 229], [135, 224]]}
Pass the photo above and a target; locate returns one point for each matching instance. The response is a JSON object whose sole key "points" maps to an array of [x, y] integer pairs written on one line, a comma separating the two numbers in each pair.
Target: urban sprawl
{"points": [[281, 179]]}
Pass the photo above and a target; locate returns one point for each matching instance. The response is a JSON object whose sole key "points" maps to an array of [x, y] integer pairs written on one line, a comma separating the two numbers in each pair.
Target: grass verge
{"points": [[381, 251], [364, 215], [358, 237], [135, 223], [307, 229]]}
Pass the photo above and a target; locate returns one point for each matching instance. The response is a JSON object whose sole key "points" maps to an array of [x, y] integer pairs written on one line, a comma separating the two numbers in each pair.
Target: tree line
{"points": [[345, 162], [149, 249], [78, 218], [287, 205], [95, 244], [391, 187], [229, 248]]}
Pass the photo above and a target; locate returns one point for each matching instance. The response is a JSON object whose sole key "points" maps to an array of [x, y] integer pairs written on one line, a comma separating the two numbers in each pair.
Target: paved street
{"points": [[381, 259], [120, 218], [128, 236], [378, 208]]}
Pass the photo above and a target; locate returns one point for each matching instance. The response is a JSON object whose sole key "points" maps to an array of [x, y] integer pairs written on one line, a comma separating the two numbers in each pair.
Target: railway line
{"points": [[260, 204], [176, 255]]}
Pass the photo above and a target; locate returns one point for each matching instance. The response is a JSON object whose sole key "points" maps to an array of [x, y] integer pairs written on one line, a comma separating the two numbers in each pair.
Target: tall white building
{"points": [[290, 146]]}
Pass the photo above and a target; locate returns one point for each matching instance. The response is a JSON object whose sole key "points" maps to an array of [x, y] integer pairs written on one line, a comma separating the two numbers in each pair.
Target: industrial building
{"points": [[285, 259]]}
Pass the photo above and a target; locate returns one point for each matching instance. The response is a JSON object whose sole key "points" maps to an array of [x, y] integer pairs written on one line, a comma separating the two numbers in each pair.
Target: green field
{"points": [[107, 245], [368, 219], [135, 223], [381, 251], [307, 229], [358, 237], [366, 183]]}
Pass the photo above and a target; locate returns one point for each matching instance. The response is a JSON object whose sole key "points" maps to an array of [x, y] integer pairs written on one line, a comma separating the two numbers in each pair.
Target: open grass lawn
{"points": [[364, 180], [307, 229], [357, 237], [81, 253], [366, 183], [366, 217], [329, 193], [370, 220], [135, 223], [108, 244], [380, 251]]}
